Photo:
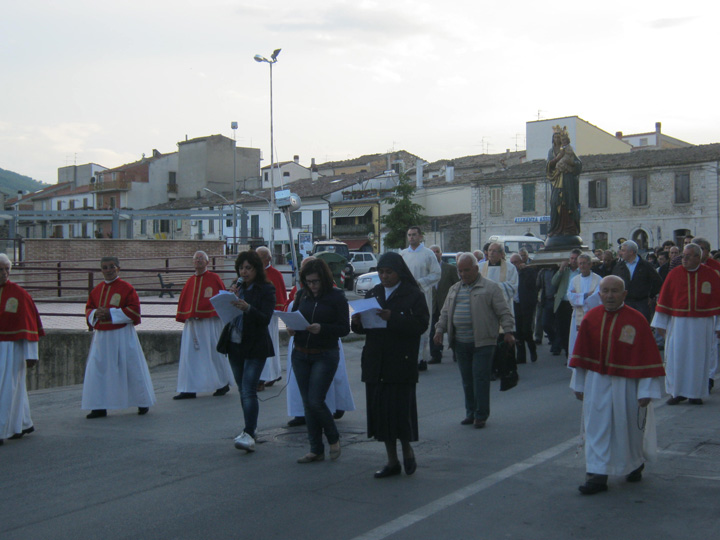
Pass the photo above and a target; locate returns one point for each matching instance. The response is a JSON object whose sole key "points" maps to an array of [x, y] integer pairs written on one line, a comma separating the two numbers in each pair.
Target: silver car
{"points": [[366, 282]]}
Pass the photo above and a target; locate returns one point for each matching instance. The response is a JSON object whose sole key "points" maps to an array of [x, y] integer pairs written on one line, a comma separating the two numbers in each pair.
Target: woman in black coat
{"points": [[250, 340], [389, 362]]}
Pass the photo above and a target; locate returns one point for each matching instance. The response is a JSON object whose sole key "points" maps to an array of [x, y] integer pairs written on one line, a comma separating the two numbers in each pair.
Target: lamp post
{"points": [[233, 126], [273, 60]]}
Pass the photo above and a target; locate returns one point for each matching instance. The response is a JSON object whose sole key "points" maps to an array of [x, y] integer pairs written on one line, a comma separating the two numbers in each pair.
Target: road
{"points": [[174, 473]]}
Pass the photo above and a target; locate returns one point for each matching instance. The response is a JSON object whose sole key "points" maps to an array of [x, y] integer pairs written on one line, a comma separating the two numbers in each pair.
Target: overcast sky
{"points": [[105, 82]]}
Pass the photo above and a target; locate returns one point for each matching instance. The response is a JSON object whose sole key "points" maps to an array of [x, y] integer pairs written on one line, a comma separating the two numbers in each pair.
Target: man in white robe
{"points": [[426, 270], [688, 316], [496, 269], [116, 373], [617, 371], [583, 293]]}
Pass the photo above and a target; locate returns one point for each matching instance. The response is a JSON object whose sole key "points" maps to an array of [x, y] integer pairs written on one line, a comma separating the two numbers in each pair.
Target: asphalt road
{"points": [[174, 473]]}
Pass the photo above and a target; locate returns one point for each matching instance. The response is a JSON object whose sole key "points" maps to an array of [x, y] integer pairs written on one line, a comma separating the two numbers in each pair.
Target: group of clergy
{"points": [[617, 367]]}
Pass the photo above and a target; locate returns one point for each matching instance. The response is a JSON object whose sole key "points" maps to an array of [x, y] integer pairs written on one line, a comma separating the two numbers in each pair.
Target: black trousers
{"points": [[563, 317]]}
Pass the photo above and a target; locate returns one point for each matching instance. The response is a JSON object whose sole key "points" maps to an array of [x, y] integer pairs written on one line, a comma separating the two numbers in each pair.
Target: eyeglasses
{"points": [[312, 281]]}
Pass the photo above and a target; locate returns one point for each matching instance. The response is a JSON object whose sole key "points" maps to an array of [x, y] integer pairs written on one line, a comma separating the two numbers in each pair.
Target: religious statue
{"points": [[563, 171]]}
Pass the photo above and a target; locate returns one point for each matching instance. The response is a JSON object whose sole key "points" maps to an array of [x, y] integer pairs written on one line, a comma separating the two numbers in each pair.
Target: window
{"points": [[496, 200], [286, 174], [172, 178], [597, 193], [643, 141], [267, 176], [528, 192], [682, 188], [640, 237], [600, 240], [143, 226], [112, 202], [211, 225], [85, 202], [640, 191], [59, 205], [296, 220], [277, 221], [72, 204], [255, 225]]}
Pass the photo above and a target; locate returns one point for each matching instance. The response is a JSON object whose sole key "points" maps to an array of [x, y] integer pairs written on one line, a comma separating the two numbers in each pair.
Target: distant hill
{"points": [[11, 183]]}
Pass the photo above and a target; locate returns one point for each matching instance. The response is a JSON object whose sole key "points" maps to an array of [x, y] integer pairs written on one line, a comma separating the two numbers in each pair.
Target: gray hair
{"points": [[263, 251], [585, 256], [432, 248], [629, 244], [694, 247], [205, 255], [466, 255], [5, 259], [702, 242]]}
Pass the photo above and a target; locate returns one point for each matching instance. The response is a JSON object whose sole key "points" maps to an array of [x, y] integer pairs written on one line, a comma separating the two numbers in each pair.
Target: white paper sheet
{"points": [[225, 310], [368, 308], [293, 320]]}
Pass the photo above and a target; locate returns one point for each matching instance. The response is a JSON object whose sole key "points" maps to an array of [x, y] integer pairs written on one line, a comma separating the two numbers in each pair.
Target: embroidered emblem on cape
{"points": [[11, 306], [115, 300], [208, 292], [706, 288], [627, 335]]}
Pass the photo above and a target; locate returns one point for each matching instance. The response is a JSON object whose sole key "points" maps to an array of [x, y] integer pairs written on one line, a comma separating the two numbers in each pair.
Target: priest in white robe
{"points": [[617, 371], [583, 293], [688, 316], [496, 269], [425, 268]]}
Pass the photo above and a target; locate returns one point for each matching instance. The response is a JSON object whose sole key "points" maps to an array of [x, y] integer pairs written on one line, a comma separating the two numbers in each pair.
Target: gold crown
{"points": [[561, 130]]}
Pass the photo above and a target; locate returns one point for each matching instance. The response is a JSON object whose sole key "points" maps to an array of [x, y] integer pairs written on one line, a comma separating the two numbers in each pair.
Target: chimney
{"points": [[313, 170], [658, 129], [156, 153], [20, 194], [450, 171], [618, 134], [296, 159], [419, 173]]}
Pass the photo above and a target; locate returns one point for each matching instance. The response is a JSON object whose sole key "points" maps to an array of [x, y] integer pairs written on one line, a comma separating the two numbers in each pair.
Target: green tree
{"points": [[402, 215]]}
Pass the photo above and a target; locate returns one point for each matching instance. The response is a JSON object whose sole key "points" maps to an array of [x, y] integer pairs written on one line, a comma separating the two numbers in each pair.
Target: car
{"points": [[366, 282], [450, 258], [512, 244], [363, 262], [340, 249]]}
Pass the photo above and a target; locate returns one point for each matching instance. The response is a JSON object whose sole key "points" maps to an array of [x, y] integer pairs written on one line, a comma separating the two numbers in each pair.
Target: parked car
{"points": [[337, 255], [449, 258], [512, 244], [363, 262], [366, 282]]}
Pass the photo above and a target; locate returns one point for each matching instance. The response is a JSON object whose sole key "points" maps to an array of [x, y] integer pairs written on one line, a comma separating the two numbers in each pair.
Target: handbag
{"points": [[506, 366], [223, 344]]}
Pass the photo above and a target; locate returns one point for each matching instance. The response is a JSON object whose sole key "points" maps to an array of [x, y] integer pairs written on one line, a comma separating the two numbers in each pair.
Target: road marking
{"points": [[405, 521]]}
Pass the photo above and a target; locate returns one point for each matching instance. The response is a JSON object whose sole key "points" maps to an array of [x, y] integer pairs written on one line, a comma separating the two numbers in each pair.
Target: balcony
{"points": [[360, 229], [112, 185], [172, 187]]}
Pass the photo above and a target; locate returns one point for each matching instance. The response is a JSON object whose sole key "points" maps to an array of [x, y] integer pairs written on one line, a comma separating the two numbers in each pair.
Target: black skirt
{"points": [[391, 411]]}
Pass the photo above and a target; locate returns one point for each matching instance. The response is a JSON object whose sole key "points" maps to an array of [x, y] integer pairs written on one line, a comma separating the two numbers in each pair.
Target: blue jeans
{"points": [[475, 365], [314, 374], [247, 376]]}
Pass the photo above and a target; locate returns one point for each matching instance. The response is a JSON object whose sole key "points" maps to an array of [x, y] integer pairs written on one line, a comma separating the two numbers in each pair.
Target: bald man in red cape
{"points": [[21, 330], [688, 315], [617, 370]]}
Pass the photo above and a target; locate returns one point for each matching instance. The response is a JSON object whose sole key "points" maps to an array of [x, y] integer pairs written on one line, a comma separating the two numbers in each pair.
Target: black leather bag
{"points": [[506, 366], [223, 344]]}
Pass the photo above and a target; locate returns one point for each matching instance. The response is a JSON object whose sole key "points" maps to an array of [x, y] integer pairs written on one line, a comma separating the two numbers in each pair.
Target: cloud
{"points": [[661, 24]]}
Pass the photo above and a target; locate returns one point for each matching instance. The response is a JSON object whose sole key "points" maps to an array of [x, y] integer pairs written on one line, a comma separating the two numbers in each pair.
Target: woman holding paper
{"points": [[315, 353], [389, 361], [250, 340]]}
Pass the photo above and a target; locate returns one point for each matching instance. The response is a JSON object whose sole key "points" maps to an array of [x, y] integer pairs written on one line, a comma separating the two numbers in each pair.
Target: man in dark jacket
{"points": [[642, 282], [525, 303]]}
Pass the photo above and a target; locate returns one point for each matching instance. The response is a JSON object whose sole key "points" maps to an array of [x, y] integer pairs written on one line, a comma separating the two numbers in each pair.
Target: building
{"points": [[653, 140], [586, 138], [286, 172], [648, 197]]}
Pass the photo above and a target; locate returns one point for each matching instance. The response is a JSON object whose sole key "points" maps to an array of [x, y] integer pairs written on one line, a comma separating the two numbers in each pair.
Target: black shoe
{"points": [[711, 385], [143, 410], [695, 401], [22, 433], [435, 361], [222, 391], [675, 400], [185, 395], [337, 415], [636, 475], [297, 421], [591, 488], [467, 421], [268, 384], [410, 465], [388, 470], [422, 366], [555, 353], [97, 413], [533, 356], [538, 342]]}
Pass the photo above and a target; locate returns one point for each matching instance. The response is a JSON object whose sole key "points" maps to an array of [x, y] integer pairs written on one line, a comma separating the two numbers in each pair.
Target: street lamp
{"points": [[270, 208], [233, 126], [273, 60]]}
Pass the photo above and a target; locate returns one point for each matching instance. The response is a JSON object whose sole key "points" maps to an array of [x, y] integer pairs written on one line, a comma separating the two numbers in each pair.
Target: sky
{"points": [[87, 81]]}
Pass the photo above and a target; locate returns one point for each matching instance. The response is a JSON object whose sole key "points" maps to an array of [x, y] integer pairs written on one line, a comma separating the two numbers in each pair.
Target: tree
{"points": [[402, 215]]}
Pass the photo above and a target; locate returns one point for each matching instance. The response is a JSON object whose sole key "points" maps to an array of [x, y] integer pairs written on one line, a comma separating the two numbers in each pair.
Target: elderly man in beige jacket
{"points": [[474, 309]]}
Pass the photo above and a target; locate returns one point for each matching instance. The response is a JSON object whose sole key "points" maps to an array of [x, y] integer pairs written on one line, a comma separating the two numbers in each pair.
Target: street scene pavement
{"points": [[174, 473]]}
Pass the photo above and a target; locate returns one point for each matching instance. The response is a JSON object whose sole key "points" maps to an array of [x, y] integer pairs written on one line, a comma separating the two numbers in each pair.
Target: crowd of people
{"points": [[611, 315]]}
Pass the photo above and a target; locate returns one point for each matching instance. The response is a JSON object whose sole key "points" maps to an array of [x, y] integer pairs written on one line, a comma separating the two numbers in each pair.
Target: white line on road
{"points": [[405, 521]]}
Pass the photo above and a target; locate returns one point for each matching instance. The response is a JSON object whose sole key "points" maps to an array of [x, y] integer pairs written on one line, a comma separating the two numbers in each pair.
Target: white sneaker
{"points": [[245, 442]]}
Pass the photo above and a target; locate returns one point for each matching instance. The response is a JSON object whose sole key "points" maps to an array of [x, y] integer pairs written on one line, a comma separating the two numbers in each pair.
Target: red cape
{"points": [[19, 318], [118, 294], [195, 297], [713, 263], [690, 294], [276, 279], [617, 343]]}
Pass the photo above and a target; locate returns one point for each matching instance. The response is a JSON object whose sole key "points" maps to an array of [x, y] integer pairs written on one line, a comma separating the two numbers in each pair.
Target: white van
{"points": [[512, 244]]}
